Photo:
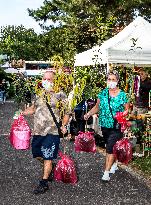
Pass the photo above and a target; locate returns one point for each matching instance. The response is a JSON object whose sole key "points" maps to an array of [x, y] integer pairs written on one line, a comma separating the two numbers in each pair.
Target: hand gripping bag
{"points": [[85, 142], [65, 170], [20, 134], [123, 150], [120, 117]]}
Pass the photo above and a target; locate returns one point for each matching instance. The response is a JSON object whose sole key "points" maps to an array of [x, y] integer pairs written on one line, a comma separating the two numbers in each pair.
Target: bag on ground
{"points": [[20, 134], [123, 150], [65, 170], [85, 142]]}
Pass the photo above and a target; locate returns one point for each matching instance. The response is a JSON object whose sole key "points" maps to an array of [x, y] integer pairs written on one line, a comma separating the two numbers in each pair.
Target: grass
{"points": [[143, 164]]}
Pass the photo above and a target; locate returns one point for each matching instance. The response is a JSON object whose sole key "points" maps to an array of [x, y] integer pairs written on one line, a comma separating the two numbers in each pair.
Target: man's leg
{"points": [[43, 184], [41, 160], [47, 169]]}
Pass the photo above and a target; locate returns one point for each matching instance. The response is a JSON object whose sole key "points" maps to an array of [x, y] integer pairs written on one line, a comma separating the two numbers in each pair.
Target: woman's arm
{"points": [[126, 106], [93, 111]]}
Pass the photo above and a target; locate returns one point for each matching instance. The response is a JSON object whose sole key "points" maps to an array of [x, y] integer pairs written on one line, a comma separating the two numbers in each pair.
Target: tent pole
{"points": [[74, 74], [108, 67]]}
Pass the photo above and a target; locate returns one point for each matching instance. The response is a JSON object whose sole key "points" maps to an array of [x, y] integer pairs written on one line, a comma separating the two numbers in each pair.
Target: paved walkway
{"points": [[19, 174]]}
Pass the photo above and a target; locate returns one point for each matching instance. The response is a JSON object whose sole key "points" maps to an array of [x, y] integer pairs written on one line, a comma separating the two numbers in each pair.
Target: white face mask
{"points": [[47, 85], [111, 85]]}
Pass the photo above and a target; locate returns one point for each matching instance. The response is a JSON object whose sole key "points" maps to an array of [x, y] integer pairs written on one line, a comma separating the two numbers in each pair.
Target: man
{"points": [[142, 102], [4, 89], [45, 143]]}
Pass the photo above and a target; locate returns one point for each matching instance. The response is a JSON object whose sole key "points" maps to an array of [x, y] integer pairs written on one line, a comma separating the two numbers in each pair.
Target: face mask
{"points": [[111, 85], [47, 85]]}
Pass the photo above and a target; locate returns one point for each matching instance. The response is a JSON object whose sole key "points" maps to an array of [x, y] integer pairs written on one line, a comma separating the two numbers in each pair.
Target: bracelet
{"points": [[89, 113], [65, 126]]}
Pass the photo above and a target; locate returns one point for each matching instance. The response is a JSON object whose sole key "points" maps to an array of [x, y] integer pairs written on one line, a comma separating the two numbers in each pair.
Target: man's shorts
{"points": [[111, 136], [45, 146]]}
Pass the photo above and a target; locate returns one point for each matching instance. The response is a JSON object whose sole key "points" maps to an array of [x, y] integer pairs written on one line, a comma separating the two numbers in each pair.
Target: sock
{"points": [[44, 181], [106, 172], [114, 164]]}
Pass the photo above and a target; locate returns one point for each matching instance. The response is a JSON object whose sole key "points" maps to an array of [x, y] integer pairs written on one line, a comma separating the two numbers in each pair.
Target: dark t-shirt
{"points": [[143, 99], [3, 87]]}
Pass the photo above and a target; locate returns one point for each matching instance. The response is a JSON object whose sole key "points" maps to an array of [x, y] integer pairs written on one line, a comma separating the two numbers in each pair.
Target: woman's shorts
{"points": [[45, 146], [111, 136]]}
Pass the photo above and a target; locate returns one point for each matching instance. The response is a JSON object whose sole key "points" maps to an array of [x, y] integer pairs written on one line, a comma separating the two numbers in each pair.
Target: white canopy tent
{"points": [[25, 72], [11, 70], [131, 45], [6, 65]]}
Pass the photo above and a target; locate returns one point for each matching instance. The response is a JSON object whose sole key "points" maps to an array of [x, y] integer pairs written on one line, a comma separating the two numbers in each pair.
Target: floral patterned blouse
{"points": [[116, 104]]}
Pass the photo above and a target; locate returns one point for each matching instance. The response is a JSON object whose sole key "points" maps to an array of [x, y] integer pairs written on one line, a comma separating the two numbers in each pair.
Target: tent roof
{"points": [[6, 65], [11, 70], [131, 45]]}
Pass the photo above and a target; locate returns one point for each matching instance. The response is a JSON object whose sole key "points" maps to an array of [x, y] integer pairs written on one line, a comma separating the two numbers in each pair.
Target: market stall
{"points": [[131, 45], [127, 52]]}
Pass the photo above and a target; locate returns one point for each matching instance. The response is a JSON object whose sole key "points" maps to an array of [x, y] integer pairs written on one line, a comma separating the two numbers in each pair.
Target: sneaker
{"points": [[113, 169], [135, 154], [41, 188], [106, 177]]}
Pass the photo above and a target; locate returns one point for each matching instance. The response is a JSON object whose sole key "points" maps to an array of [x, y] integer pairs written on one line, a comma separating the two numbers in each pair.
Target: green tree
{"points": [[59, 41], [89, 21], [19, 42]]}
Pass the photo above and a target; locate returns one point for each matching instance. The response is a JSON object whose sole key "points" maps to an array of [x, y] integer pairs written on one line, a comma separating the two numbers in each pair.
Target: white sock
{"points": [[114, 164], [106, 172]]}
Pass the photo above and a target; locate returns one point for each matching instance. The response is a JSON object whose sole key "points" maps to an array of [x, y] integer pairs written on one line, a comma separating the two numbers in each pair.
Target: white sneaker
{"points": [[140, 155], [114, 168], [106, 177]]}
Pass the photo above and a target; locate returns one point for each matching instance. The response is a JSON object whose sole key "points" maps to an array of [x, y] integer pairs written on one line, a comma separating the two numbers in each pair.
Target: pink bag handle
{"points": [[85, 132]]}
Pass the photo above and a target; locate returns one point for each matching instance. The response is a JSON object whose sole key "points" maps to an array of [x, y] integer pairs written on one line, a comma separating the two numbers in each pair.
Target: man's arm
{"points": [[65, 122], [29, 111]]}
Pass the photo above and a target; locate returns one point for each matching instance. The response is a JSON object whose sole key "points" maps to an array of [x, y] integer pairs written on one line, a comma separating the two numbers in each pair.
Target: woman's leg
{"points": [[109, 162], [111, 138]]}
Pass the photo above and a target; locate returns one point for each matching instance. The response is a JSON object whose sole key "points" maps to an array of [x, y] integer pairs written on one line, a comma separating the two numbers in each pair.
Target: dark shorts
{"points": [[111, 136], [45, 146]]}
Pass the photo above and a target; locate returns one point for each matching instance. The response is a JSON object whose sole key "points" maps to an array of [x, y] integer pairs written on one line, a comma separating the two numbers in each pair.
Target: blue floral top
{"points": [[116, 104]]}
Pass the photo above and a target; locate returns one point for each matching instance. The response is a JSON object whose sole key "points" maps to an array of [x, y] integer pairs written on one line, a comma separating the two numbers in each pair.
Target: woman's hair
{"points": [[113, 72]]}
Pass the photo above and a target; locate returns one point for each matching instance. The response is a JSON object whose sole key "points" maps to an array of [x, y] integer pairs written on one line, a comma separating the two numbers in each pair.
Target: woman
{"points": [[110, 101]]}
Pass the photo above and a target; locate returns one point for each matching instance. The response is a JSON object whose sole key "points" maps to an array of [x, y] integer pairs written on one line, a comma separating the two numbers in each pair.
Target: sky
{"points": [[14, 12]]}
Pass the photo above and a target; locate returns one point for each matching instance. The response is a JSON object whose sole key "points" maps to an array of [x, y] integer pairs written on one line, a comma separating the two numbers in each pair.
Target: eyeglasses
{"points": [[114, 72]]}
